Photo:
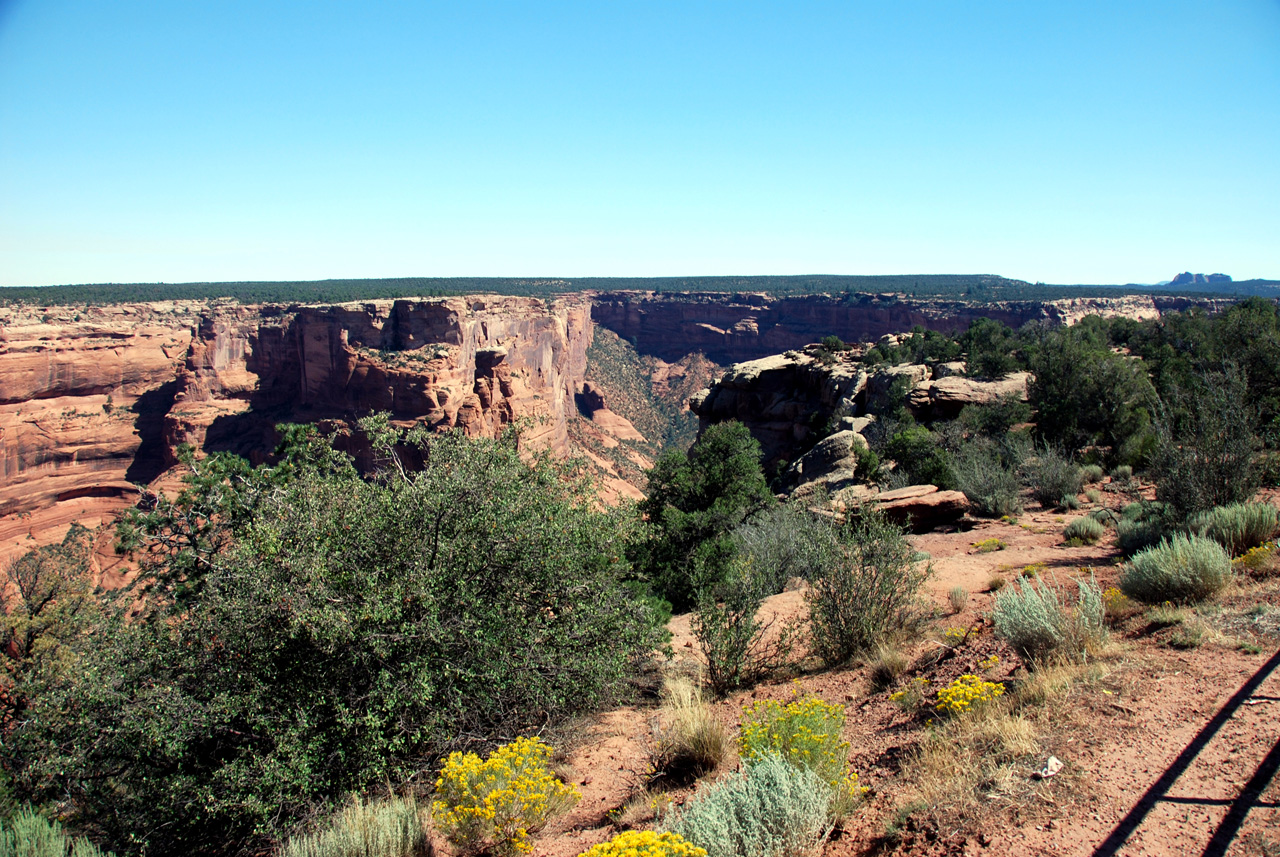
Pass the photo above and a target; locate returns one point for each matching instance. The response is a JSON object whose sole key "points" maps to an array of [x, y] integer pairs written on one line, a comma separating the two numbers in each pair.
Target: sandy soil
{"points": [[1118, 736]]}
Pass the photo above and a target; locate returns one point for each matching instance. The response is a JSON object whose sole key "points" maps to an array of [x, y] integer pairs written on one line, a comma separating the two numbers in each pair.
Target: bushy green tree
{"points": [[992, 350], [346, 634], [695, 500], [1086, 395], [919, 455]]}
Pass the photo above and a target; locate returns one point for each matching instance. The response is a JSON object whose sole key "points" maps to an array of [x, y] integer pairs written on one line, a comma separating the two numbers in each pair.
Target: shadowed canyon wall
{"points": [[731, 328]]}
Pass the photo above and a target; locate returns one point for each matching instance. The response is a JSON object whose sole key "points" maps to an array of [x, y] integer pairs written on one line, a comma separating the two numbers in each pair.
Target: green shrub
{"points": [[918, 454], [1083, 531], [1181, 569], [1092, 473], [784, 542], [996, 419], [351, 632], [1054, 479], [988, 481], [495, 803], [1205, 456], [695, 500], [29, 834], [868, 594], [1237, 527], [740, 647], [770, 809], [384, 828], [1034, 620], [1123, 473]]}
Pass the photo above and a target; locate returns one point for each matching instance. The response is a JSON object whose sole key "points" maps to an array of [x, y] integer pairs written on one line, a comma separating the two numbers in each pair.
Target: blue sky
{"points": [[1055, 141]]}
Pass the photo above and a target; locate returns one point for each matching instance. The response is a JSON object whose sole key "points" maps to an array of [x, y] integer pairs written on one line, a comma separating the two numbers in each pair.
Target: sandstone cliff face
{"points": [[732, 328], [93, 399]]}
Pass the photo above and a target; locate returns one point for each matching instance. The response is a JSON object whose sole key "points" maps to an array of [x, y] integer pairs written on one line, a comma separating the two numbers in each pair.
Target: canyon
{"points": [[96, 400]]}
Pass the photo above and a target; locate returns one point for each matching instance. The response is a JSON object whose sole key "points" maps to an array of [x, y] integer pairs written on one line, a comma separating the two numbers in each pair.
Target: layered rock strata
{"points": [[731, 328], [94, 399]]}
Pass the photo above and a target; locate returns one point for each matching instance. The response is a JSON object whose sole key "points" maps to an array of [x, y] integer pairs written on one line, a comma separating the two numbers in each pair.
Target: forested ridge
{"points": [[978, 287]]}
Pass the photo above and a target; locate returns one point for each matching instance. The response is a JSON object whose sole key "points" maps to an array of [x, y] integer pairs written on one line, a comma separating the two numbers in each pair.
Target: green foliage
{"points": [[625, 376], [1085, 395], [917, 452], [395, 827], [1205, 456], [352, 632], [1053, 478], [987, 473], [695, 502], [1036, 622], [868, 593], [917, 346], [1092, 473], [1237, 527], [995, 420], [29, 834], [48, 611], [991, 349], [739, 646], [786, 541], [1084, 530], [1182, 569], [770, 809]]}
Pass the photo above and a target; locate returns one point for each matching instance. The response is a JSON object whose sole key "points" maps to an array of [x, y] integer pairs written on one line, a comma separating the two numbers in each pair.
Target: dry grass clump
{"points": [[692, 741], [995, 583], [385, 828], [958, 597], [961, 763], [887, 664]]}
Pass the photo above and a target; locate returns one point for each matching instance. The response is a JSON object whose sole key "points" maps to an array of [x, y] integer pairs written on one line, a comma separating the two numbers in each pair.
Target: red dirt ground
{"points": [[1117, 736]]}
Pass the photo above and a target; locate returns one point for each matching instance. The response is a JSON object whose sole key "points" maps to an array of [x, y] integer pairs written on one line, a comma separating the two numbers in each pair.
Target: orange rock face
{"points": [[94, 399]]}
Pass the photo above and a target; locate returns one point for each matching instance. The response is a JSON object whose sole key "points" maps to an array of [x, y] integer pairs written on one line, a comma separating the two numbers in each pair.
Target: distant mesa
{"points": [[1186, 278]]}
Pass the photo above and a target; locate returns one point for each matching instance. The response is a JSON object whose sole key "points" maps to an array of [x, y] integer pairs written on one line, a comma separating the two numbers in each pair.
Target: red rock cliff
{"points": [[95, 398]]}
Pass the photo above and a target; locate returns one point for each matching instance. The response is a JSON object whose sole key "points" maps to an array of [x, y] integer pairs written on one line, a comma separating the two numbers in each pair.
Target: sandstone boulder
{"points": [[943, 398], [922, 507]]}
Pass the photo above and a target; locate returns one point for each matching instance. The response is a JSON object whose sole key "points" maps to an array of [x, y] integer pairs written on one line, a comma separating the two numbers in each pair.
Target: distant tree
{"points": [[990, 348]]}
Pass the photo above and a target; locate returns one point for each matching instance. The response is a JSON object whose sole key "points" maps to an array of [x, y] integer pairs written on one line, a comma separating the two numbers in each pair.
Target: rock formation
{"points": [[730, 328], [94, 399]]}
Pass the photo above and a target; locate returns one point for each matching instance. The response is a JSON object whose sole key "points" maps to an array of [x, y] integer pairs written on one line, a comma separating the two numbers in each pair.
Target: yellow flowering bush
{"points": [[1256, 558], [806, 733], [989, 663], [645, 843], [955, 636], [989, 545], [967, 693], [1034, 569], [1115, 603], [497, 802]]}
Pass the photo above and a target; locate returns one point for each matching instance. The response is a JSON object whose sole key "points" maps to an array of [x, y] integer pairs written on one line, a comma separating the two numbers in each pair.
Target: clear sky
{"points": [[1055, 141]]}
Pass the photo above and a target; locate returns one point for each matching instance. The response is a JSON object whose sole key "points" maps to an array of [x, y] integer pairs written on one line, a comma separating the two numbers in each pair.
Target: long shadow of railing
{"points": [[1240, 806]]}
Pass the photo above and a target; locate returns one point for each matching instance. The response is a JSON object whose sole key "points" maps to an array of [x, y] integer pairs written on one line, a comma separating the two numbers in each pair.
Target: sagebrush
{"points": [[1182, 569]]}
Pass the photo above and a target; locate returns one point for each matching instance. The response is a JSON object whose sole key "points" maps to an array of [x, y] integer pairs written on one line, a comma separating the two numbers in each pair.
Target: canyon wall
{"points": [[732, 328], [94, 399]]}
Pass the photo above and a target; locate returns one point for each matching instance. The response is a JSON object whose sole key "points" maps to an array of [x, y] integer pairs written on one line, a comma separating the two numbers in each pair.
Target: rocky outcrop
{"points": [[786, 400], [944, 397], [922, 507], [93, 399], [731, 328]]}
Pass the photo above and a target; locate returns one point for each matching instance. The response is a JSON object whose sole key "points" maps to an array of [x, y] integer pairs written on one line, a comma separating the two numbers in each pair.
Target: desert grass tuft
{"points": [[691, 740], [381, 828], [887, 663], [958, 597]]}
